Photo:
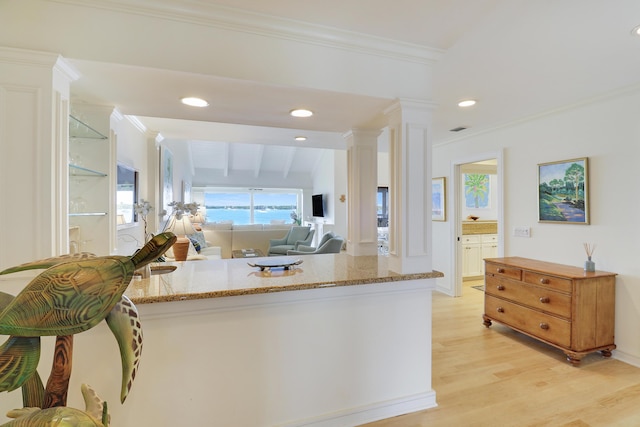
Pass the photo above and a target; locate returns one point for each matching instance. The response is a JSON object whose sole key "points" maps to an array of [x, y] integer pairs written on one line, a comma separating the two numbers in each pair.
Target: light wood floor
{"points": [[500, 378]]}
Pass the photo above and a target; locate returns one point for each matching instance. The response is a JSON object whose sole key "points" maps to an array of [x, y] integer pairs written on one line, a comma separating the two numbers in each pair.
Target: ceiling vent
{"points": [[458, 129]]}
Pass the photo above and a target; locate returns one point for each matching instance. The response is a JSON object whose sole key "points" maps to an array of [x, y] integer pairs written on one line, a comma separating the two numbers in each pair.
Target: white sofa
{"points": [[231, 237]]}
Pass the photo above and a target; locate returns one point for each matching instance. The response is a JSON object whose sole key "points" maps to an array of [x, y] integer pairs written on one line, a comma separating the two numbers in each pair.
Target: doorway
{"points": [[478, 230]]}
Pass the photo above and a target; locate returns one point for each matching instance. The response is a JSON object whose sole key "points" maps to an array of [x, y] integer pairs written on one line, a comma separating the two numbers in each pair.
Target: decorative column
{"points": [[362, 188], [153, 184], [410, 186], [34, 126]]}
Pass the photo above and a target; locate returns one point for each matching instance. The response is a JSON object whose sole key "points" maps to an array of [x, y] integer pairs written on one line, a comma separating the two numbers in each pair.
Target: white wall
{"points": [[132, 151], [182, 167], [384, 178], [330, 180], [606, 131]]}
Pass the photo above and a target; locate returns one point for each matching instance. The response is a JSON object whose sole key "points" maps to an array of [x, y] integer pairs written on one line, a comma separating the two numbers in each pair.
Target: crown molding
{"points": [[116, 115], [137, 123], [67, 69], [36, 58], [199, 12], [411, 104]]}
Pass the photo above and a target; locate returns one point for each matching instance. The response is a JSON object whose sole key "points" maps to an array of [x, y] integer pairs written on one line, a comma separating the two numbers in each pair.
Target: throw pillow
{"points": [[199, 236], [195, 243]]}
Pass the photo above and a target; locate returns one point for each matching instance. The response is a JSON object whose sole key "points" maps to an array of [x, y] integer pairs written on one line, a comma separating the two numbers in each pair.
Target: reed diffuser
{"points": [[588, 264]]}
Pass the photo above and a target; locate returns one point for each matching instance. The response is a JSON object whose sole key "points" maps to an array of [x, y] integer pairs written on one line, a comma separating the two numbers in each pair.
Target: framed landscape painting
{"points": [[438, 199], [563, 191]]}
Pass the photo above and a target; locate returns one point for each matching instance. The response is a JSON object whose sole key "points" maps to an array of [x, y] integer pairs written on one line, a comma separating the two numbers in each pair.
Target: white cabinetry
{"points": [[475, 248], [471, 256], [489, 247], [91, 192]]}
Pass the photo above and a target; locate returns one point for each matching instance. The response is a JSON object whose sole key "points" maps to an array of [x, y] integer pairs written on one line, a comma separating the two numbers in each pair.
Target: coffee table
{"points": [[247, 253]]}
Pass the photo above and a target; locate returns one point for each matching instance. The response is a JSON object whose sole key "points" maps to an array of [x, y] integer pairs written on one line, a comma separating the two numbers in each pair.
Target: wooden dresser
{"points": [[561, 305]]}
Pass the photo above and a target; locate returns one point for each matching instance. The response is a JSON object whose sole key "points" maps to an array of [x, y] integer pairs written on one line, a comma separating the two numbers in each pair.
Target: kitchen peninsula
{"points": [[234, 277], [336, 341]]}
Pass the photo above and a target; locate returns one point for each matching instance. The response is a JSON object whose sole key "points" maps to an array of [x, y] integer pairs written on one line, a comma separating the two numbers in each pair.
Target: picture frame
{"points": [[477, 190], [439, 199], [563, 191]]}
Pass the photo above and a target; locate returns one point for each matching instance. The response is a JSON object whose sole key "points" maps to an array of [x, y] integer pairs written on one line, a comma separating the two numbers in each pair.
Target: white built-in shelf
{"points": [[80, 130], [88, 214], [82, 171]]}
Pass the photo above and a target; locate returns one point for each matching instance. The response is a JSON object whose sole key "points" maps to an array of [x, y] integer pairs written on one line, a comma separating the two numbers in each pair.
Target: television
{"points": [[317, 205]]}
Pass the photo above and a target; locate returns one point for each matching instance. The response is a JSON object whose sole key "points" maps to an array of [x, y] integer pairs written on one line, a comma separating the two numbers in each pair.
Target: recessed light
{"points": [[194, 102], [467, 103], [636, 31], [300, 138], [301, 112]]}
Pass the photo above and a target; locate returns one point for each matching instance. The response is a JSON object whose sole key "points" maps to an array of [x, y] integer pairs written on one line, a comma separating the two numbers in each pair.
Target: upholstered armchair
{"points": [[329, 244], [296, 235]]}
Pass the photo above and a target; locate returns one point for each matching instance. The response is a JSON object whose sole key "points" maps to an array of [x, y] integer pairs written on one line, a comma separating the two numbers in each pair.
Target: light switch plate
{"points": [[522, 231]]}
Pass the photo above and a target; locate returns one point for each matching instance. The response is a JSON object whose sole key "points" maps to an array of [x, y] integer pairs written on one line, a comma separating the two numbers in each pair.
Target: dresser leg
{"points": [[574, 358], [606, 353], [487, 321]]}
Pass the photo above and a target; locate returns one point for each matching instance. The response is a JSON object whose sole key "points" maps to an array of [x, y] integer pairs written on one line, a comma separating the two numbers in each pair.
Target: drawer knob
{"points": [[500, 310], [544, 300], [544, 326], [500, 270], [544, 281], [500, 287]]}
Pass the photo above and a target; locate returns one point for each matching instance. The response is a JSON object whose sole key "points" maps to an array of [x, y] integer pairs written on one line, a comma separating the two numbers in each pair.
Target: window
{"points": [[253, 206], [383, 206]]}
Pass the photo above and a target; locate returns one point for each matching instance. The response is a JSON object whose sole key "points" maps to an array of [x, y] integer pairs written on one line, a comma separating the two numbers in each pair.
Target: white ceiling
{"points": [[518, 58]]}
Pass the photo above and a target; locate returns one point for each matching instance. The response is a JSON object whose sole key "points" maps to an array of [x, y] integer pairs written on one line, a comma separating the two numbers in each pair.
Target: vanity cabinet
{"points": [[471, 256], [561, 305], [90, 188], [475, 248]]}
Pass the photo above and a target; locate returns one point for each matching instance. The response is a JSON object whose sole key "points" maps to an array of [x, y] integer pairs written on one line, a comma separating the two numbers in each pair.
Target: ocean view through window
{"points": [[254, 206]]}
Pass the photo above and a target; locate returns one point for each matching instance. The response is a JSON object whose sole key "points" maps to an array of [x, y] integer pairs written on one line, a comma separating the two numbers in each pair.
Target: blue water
{"points": [[242, 216]]}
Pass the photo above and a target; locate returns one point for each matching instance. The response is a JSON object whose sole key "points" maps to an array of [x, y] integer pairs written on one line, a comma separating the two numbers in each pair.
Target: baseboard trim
{"points": [[626, 358], [370, 413]]}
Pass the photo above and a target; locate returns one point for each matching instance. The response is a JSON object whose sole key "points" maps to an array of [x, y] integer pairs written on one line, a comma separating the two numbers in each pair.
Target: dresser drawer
{"points": [[545, 280], [541, 325], [491, 268], [536, 297]]}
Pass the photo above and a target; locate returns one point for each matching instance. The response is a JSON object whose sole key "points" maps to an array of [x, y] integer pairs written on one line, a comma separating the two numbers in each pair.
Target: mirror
{"points": [[126, 195]]}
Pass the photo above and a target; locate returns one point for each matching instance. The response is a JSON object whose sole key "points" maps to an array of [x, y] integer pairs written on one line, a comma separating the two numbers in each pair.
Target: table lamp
{"points": [[181, 227], [198, 219]]}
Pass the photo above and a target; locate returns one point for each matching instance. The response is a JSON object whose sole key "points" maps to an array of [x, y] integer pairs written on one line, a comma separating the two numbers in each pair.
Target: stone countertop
{"points": [[231, 277]]}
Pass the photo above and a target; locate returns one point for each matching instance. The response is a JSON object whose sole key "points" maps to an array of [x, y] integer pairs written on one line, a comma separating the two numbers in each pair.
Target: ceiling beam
{"points": [[227, 156], [316, 164], [259, 153], [291, 152]]}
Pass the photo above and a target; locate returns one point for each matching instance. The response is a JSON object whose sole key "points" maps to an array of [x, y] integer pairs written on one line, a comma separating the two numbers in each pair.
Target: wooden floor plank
{"points": [[499, 377]]}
